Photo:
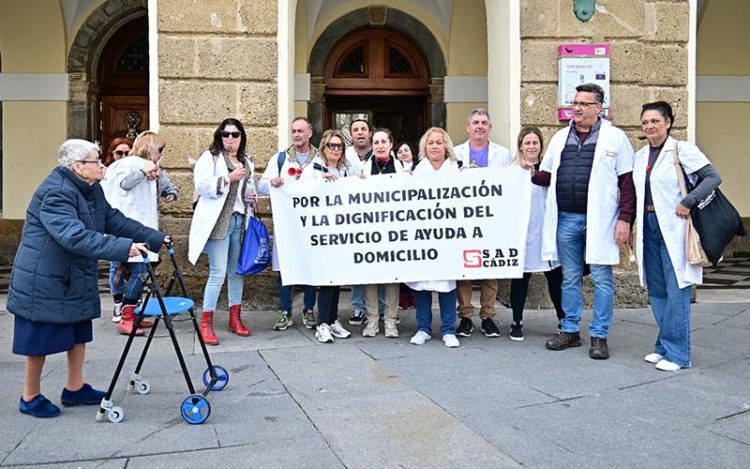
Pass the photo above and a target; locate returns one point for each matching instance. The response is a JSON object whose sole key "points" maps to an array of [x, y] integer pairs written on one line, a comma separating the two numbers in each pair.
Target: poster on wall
{"points": [[578, 64]]}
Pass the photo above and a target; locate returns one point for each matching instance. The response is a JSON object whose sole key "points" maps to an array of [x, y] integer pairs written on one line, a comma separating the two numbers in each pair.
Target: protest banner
{"points": [[403, 227]]}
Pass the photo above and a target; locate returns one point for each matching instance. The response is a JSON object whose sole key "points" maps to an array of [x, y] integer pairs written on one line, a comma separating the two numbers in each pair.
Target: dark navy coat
{"points": [[69, 227]]}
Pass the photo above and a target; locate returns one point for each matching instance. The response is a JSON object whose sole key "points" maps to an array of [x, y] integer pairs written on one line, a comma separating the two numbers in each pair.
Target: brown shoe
{"points": [[564, 340], [599, 349]]}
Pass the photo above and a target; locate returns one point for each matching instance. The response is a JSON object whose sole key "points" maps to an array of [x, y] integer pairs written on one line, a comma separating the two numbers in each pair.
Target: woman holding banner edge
{"points": [[436, 154], [329, 165], [529, 152]]}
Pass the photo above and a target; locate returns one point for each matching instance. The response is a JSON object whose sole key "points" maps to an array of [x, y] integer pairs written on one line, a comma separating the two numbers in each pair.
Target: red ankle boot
{"points": [[235, 322], [128, 321], [207, 328]]}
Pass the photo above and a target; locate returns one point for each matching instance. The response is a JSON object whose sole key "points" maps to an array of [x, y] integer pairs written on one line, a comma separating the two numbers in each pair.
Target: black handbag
{"points": [[717, 222]]}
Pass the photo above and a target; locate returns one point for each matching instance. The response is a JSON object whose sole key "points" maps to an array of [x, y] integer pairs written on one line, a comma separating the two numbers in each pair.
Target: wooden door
{"points": [[123, 78], [123, 116]]}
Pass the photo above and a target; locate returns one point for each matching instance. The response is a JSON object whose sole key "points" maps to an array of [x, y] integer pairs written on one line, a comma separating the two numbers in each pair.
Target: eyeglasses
{"points": [[97, 162], [120, 153], [335, 146], [226, 134], [582, 104]]}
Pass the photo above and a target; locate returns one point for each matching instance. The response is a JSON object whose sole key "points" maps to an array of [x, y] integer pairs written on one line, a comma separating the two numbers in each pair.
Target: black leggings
{"points": [[519, 288], [328, 304]]}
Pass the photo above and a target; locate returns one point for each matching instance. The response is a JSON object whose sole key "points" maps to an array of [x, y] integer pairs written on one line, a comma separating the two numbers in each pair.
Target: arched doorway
{"points": [[123, 82], [380, 74]]}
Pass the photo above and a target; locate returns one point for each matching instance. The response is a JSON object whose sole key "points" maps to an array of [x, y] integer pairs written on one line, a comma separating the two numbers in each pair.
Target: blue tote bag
{"points": [[255, 254]]}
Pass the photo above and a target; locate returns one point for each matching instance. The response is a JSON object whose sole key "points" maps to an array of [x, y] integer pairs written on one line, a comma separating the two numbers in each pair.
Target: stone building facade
{"points": [[265, 61]]}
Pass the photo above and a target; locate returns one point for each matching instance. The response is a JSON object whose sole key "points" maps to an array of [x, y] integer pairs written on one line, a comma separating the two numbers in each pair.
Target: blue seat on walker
{"points": [[173, 304]]}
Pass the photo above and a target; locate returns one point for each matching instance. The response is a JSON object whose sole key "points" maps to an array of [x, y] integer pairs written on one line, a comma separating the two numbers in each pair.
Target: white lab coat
{"points": [[612, 158], [665, 193], [353, 159], [139, 203], [206, 173], [442, 286], [400, 166], [497, 156], [533, 261]]}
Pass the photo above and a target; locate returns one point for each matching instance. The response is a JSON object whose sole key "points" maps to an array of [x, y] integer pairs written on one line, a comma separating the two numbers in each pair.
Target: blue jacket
{"points": [[69, 226]]}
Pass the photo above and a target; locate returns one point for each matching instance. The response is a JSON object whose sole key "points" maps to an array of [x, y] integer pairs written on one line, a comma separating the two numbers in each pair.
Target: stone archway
{"points": [[83, 59], [356, 19]]}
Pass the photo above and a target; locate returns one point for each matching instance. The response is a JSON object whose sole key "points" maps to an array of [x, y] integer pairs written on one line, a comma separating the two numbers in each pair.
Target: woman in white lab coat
{"points": [[660, 231], [529, 151], [436, 154]]}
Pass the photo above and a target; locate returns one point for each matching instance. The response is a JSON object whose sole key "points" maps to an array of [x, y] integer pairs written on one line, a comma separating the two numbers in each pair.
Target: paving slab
{"points": [[292, 402]]}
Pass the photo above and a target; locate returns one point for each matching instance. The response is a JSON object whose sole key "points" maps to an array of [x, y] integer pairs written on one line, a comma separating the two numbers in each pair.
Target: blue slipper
{"points": [[84, 396], [39, 407]]}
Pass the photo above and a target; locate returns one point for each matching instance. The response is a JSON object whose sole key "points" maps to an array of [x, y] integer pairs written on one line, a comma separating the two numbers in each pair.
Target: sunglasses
{"points": [[335, 146], [227, 134], [120, 153]]}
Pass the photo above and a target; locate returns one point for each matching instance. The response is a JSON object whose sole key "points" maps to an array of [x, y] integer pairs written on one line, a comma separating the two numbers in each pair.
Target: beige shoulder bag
{"points": [[693, 249]]}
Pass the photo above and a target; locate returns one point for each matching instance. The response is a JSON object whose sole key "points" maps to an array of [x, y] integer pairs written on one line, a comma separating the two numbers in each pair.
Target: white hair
{"points": [[74, 150]]}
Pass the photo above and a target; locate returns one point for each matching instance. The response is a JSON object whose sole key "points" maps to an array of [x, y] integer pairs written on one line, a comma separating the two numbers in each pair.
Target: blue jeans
{"points": [[223, 255], [447, 302], [358, 297], [571, 249], [285, 296], [669, 302], [134, 287], [115, 287]]}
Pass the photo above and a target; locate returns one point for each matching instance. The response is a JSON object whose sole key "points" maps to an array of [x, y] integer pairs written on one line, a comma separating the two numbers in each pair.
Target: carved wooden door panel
{"points": [[123, 116]]}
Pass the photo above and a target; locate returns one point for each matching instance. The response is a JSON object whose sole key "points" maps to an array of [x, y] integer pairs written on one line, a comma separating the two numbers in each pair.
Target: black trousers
{"points": [[519, 288], [328, 304]]}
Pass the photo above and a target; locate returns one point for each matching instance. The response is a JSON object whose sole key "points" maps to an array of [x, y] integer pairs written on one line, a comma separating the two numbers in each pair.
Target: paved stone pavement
{"points": [[372, 403]]}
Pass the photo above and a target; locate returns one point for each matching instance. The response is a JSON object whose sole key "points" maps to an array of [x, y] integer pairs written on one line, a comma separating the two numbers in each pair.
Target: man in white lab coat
{"points": [[589, 210], [479, 152]]}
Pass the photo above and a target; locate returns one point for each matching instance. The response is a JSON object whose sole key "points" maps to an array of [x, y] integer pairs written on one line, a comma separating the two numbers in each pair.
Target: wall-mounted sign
{"points": [[578, 64]]}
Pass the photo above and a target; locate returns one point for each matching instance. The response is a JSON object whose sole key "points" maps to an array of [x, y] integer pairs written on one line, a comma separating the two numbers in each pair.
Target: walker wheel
{"points": [[195, 409], [115, 414], [143, 387], [222, 378]]}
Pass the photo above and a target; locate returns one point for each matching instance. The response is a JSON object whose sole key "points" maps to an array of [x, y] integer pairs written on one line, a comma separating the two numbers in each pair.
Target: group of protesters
{"points": [[588, 190]]}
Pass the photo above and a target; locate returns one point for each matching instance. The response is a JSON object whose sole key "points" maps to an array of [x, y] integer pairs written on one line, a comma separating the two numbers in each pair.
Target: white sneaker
{"points": [[323, 333], [338, 331], [391, 330], [420, 338], [371, 329], [117, 312], [666, 365], [450, 340], [653, 357]]}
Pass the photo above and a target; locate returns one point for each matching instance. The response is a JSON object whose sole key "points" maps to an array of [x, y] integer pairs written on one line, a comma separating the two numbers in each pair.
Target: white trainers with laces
{"points": [[338, 331], [653, 357], [420, 338], [391, 330], [371, 329], [117, 312], [323, 333], [450, 340]]}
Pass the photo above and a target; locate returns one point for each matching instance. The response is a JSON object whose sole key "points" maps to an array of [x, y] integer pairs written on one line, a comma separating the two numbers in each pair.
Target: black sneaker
{"points": [[516, 331], [357, 317], [465, 327], [489, 328]]}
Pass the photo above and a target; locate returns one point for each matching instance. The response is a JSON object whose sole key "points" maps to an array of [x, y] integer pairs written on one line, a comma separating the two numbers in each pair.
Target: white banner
{"points": [[403, 227]]}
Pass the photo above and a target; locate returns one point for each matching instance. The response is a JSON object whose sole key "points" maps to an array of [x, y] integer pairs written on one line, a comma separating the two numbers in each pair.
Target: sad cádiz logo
{"points": [[472, 258]]}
